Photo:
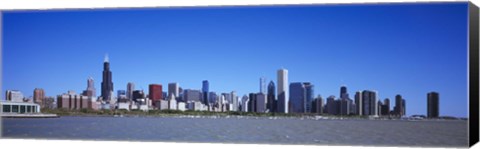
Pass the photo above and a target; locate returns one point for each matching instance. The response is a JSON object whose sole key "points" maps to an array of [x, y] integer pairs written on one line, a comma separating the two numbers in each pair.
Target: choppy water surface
{"points": [[243, 130]]}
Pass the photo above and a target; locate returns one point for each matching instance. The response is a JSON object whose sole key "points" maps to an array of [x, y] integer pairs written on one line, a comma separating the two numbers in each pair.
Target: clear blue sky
{"points": [[407, 49]]}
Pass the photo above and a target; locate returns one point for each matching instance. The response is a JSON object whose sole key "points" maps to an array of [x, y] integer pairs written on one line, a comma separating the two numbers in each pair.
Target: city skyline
{"points": [[410, 75]]}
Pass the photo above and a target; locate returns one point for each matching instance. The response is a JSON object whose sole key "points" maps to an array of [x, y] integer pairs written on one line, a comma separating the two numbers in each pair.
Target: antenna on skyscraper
{"points": [[106, 58]]}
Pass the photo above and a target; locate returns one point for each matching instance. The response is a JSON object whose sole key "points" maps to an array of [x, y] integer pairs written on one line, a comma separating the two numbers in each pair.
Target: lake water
{"points": [[243, 130]]}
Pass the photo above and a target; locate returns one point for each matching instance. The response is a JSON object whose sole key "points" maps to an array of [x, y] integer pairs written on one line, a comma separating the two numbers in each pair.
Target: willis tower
{"points": [[107, 84]]}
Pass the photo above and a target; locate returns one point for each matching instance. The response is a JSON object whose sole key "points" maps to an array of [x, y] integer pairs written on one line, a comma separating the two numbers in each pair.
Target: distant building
{"points": [[173, 88], [343, 92], [130, 89], [358, 103], [192, 95], [18, 107], [297, 98], [138, 94], [369, 102], [282, 91], [399, 109], [14, 96], [107, 84], [181, 106], [263, 88], [90, 91], [345, 106], [317, 105], [233, 95], [385, 107], [260, 103], [39, 96], [162, 104], [252, 98], [244, 106], [205, 90], [122, 96], [309, 92], [155, 93], [332, 106], [271, 101], [212, 97], [72, 101], [172, 103]]}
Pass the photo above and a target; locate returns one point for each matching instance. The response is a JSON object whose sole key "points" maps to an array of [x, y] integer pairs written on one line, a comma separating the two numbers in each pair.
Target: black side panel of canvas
{"points": [[474, 77]]}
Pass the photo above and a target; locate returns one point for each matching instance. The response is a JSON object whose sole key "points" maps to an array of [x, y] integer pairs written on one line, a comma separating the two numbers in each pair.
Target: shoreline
{"points": [[215, 115]]}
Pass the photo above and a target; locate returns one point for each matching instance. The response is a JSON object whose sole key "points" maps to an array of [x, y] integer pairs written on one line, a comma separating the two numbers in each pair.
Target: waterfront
{"points": [[259, 130]]}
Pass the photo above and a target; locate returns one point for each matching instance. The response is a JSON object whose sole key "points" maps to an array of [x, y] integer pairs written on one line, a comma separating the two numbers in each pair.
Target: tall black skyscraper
{"points": [[432, 105], [399, 108], [271, 102], [107, 84], [343, 92]]}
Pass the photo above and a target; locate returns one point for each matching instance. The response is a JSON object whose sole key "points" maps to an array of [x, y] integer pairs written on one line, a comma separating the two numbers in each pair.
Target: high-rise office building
{"points": [[309, 96], [358, 103], [282, 91], [155, 93], [345, 106], [107, 84], [399, 109], [263, 88], [205, 90], [369, 102], [14, 96], [212, 97], [38, 96], [90, 91], [384, 107], [130, 89], [271, 102], [260, 102], [173, 89], [244, 105], [233, 95], [332, 105], [251, 102], [317, 105], [343, 92], [138, 94], [297, 99], [190, 95]]}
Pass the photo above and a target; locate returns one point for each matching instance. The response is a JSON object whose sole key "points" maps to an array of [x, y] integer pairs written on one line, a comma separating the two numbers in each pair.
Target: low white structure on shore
{"points": [[181, 106], [19, 107]]}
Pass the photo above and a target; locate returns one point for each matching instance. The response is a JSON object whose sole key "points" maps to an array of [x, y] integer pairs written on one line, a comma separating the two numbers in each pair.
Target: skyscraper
{"points": [[234, 99], [205, 90], [369, 102], [38, 96], [399, 108], [263, 88], [173, 89], [282, 91], [309, 92], [358, 103], [130, 89], [332, 105], [107, 84], [343, 92], [298, 98], [90, 91], [155, 93], [271, 102], [317, 105]]}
